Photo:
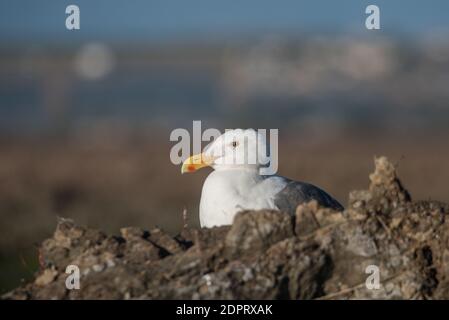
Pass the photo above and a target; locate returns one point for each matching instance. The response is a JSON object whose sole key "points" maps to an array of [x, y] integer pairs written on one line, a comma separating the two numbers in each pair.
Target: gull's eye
{"points": [[234, 144]]}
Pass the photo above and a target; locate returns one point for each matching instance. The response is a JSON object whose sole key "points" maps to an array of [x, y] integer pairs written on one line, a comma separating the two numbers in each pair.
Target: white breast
{"points": [[226, 192]]}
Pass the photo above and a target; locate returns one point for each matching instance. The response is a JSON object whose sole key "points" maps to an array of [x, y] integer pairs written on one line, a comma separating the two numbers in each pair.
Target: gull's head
{"points": [[234, 149]]}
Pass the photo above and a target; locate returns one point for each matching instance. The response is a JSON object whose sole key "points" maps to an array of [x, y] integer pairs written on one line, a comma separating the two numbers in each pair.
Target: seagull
{"points": [[236, 183]]}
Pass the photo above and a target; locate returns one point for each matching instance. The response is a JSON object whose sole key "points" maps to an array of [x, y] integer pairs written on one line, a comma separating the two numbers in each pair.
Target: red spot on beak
{"points": [[191, 168]]}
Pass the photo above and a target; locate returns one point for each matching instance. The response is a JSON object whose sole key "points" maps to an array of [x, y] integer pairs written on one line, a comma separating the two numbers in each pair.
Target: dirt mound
{"points": [[319, 253]]}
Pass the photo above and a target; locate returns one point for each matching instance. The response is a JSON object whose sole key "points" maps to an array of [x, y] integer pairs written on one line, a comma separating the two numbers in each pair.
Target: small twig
{"points": [[358, 286], [315, 219], [24, 263], [185, 224], [415, 296], [341, 292], [384, 225]]}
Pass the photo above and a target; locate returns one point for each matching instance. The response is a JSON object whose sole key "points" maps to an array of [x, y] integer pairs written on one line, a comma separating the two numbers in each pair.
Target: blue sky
{"points": [[162, 20]]}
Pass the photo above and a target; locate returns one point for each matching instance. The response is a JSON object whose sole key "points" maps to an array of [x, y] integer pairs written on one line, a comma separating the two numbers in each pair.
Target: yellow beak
{"points": [[196, 162]]}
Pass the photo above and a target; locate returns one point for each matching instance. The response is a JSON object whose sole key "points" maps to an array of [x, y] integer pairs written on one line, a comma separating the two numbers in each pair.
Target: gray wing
{"points": [[295, 193]]}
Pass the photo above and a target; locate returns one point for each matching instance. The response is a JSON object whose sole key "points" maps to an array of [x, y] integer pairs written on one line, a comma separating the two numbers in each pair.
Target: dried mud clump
{"points": [[317, 254]]}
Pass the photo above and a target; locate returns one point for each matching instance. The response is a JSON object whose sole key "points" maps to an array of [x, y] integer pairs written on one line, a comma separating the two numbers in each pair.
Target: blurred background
{"points": [[85, 115]]}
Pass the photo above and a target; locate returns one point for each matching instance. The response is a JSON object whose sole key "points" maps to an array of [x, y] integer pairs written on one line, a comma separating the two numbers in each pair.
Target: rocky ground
{"points": [[317, 254]]}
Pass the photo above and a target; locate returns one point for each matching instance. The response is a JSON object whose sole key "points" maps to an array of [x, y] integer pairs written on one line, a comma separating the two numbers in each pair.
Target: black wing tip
{"points": [[337, 206]]}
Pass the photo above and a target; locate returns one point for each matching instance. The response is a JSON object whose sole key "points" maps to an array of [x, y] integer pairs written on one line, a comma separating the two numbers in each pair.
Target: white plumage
{"points": [[236, 183]]}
